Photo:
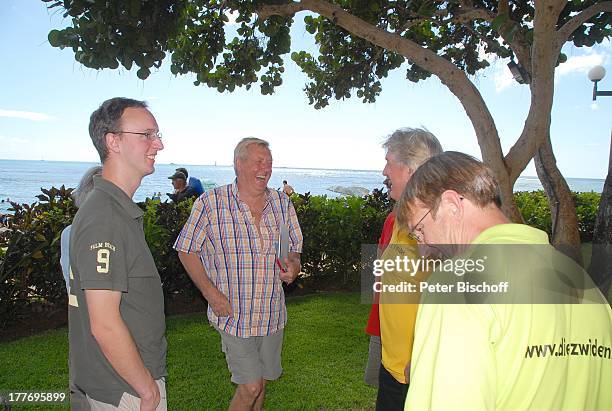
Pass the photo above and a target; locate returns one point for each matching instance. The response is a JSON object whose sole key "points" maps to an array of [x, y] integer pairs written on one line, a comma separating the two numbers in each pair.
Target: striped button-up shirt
{"points": [[239, 261]]}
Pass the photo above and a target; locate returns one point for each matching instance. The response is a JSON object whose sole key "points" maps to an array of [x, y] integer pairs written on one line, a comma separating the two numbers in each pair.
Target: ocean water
{"points": [[21, 180]]}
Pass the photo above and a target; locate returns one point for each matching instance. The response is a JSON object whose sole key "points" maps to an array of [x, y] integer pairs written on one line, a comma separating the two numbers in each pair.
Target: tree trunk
{"points": [[601, 258], [508, 204], [449, 74], [565, 235]]}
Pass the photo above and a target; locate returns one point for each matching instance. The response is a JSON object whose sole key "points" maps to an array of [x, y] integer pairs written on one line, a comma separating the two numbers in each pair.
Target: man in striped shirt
{"points": [[229, 249]]}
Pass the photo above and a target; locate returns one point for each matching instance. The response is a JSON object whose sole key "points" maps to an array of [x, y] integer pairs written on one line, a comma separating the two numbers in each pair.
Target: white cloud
{"points": [[594, 106], [13, 140], [26, 115], [579, 64], [232, 16], [502, 76], [575, 64]]}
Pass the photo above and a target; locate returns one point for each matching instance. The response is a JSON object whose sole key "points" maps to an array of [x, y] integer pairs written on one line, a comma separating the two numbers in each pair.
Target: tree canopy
{"points": [[107, 34], [358, 43]]}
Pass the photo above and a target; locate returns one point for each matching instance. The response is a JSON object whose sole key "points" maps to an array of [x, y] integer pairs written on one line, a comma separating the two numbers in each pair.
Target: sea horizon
{"points": [[21, 180], [276, 167]]}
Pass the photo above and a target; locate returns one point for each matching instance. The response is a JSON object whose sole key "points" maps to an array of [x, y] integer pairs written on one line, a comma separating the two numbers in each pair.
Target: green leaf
{"points": [[37, 255], [143, 73], [54, 38], [499, 21]]}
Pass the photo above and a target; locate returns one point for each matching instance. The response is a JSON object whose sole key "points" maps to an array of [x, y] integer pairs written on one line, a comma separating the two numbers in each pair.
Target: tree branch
{"points": [[543, 59], [449, 74], [472, 14], [284, 10], [409, 24], [518, 44], [579, 19], [503, 7]]}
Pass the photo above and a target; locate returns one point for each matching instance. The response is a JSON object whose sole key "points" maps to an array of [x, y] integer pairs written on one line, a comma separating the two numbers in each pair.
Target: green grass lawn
{"points": [[324, 353]]}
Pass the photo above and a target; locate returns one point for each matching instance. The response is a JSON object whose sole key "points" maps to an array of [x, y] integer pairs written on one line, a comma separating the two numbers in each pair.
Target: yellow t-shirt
{"points": [[512, 356], [397, 318]]}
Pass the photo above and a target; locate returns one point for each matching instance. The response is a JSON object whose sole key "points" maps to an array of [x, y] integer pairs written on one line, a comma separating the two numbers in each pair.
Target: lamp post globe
{"points": [[597, 73]]}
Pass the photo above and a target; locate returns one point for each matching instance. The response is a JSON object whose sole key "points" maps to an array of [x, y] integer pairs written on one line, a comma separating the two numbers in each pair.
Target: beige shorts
{"points": [[252, 358], [373, 365], [129, 402]]}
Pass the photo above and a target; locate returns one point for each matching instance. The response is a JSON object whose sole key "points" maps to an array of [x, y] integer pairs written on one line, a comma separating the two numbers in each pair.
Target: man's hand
{"points": [[149, 400], [407, 373], [294, 266], [219, 303], [115, 341]]}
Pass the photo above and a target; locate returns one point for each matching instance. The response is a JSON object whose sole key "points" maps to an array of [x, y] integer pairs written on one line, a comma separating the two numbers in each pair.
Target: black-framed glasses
{"points": [[413, 233], [149, 135]]}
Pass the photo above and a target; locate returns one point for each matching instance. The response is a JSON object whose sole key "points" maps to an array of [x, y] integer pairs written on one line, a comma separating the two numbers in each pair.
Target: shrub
{"points": [[162, 224], [534, 209], [334, 230], [30, 273]]}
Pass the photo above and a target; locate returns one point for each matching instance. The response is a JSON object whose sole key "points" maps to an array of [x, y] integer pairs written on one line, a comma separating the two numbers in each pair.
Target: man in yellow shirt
{"points": [[483, 352], [406, 149]]}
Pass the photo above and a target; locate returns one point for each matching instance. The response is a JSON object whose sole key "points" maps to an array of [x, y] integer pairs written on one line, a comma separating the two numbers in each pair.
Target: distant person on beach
{"points": [[543, 345], [229, 249], [116, 304], [78, 399], [192, 182], [181, 189], [287, 189], [391, 324]]}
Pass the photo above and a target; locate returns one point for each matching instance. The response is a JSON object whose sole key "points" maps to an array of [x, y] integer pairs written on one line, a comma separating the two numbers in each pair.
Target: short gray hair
{"points": [[85, 185], [412, 146], [240, 152]]}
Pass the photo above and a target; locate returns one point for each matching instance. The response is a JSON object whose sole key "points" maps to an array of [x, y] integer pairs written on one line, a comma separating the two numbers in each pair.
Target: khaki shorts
{"points": [[129, 402], [252, 358], [373, 365]]}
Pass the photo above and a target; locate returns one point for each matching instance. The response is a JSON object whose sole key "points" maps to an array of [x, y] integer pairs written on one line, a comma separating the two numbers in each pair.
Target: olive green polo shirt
{"points": [[108, 251]]}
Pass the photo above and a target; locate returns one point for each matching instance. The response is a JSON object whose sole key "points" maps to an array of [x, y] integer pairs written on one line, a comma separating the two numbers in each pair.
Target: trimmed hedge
{"points": [[533, 206], [334, 230]]}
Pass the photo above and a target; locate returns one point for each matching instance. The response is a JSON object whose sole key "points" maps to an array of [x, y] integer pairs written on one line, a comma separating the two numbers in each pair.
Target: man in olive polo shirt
{"points": [[116, 309]]}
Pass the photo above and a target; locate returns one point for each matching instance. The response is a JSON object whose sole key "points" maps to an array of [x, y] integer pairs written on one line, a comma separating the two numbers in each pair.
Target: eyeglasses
{"points": [[413, 233], [149, 135]]}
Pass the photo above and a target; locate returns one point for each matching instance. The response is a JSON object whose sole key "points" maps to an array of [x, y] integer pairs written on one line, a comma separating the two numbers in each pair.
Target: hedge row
{"points": [[334, 230]]}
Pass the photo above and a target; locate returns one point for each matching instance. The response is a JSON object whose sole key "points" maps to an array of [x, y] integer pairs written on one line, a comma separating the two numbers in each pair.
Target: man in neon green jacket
{"points": [[542, 341]]}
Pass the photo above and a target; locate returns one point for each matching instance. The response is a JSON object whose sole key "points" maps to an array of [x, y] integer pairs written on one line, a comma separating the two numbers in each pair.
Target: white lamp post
{"points": [[597, 74]]}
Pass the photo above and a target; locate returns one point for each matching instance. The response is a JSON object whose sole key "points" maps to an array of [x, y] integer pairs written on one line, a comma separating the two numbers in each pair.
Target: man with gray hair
{"points": [[540, 342], [229, 247], [116, 305], [391, 323]]}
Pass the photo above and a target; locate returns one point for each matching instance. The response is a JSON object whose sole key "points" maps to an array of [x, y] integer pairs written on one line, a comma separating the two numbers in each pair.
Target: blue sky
{"points": [[46, 98]]}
